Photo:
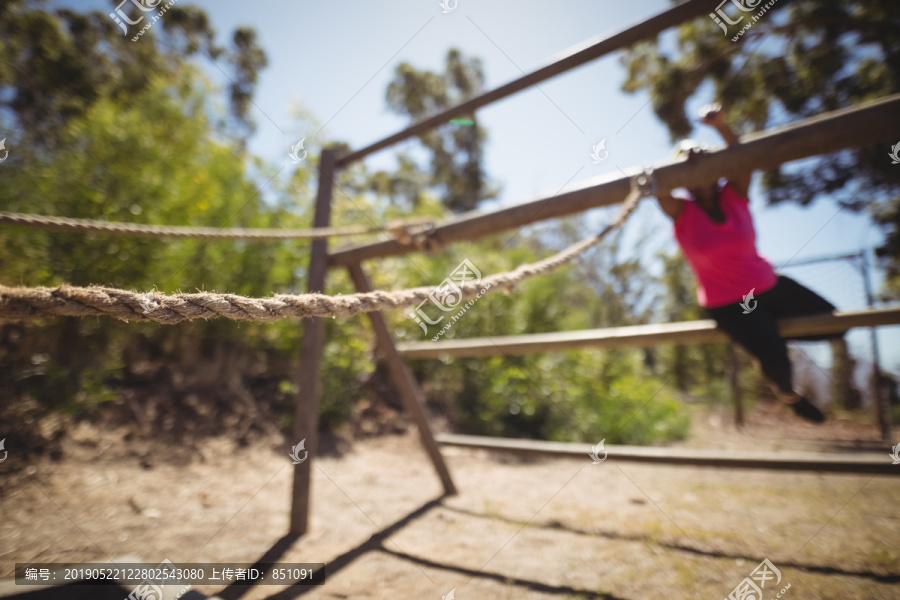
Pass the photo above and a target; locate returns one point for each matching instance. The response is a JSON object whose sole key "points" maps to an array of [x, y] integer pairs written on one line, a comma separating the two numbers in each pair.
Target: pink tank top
{"points": [[723, 257]]}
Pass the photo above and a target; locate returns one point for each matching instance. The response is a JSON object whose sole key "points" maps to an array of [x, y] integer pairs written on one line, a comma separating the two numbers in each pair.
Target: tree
{"points": [[107, 128], [456, 150], [679, 304], [57, 65]]}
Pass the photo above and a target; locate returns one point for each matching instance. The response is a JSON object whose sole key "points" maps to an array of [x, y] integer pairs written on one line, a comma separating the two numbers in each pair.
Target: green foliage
{"points": [[142, 142], [344, 364], [456, 151], [564, 397], [57, 65], [152, 161], [583, 396], [696, 369]]}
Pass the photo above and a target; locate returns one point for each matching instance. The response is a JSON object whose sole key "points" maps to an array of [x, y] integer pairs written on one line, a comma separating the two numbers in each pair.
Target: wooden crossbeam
{"points": [[582, 54], [869, 123], [783, 461], [639, 336]]}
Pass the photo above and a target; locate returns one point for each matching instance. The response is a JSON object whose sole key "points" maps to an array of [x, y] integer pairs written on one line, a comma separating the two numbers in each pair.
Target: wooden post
{"points": [[306, 411], [409, 390], [735, 386]]}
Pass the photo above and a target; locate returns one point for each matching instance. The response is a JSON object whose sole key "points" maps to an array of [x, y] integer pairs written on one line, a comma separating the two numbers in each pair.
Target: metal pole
{"points": [[306, 412], [882, 401]]}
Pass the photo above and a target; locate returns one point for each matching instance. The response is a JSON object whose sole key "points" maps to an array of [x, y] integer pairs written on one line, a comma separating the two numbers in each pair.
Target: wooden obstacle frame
{"points": [[873, 122]]}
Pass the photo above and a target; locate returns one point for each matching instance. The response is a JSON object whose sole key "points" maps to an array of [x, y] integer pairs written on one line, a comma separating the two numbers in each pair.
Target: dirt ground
{"points": [[518, 528]]}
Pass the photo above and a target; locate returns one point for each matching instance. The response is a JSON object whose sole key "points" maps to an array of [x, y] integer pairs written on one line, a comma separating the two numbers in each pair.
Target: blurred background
{"points": [[192, 122]]}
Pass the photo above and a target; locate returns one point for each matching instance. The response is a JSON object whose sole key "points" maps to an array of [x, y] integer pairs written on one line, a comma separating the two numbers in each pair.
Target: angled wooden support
{"points": [[306, 411], [408, 388]]}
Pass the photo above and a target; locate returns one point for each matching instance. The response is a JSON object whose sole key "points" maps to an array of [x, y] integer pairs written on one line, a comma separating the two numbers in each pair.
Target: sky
{"points": [[335, 60]]}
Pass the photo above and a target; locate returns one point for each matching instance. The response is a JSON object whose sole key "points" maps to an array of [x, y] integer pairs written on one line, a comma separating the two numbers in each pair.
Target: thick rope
{"points": [[163, 231], [22, 303]]}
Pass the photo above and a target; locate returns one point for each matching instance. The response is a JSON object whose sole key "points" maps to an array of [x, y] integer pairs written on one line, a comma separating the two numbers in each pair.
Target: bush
{"points": [[562, 397]]}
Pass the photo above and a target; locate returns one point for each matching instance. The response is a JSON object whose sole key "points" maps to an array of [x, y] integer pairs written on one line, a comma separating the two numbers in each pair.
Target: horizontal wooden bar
{"points": [[639, 336], [870, 123], [569, 59], [683, 457]]}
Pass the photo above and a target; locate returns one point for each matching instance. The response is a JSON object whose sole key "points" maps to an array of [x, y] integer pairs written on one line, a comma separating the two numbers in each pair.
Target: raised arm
{"points": [[669, 204], [712, 115]]}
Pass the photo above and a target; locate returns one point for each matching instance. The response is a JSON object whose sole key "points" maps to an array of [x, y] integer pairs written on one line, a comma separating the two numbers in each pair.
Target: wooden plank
{"points": [[639, 336], [873, 122], [407, 387], [569, 59], [785, 461], [635, 336], [306, 411]]}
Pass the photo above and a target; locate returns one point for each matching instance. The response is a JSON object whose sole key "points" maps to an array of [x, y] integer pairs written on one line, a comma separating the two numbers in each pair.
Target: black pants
{"points": [[757, 331]]}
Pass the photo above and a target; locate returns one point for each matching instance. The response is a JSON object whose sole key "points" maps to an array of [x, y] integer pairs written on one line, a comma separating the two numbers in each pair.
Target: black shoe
{"points": [[807, 410]]}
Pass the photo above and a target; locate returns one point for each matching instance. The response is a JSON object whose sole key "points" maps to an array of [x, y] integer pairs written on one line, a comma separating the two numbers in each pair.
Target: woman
{"points": [[738, 287]]}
